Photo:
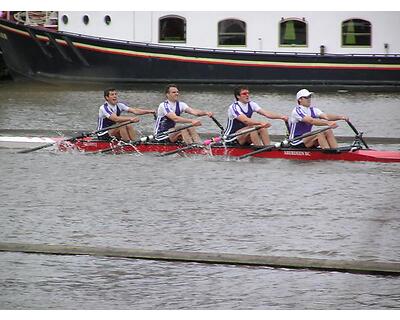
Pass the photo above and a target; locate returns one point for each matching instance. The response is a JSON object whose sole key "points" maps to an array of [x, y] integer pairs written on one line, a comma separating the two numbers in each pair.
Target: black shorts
{"points": [[104, 137], [298, 146]]}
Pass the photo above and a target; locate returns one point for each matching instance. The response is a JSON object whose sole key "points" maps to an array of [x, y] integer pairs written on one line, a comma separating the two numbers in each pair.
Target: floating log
{"points": [[366, 267]]}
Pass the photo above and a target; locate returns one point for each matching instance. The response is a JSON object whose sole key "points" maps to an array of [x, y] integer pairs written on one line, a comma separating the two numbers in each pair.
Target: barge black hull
{"points": [[49, 56]]}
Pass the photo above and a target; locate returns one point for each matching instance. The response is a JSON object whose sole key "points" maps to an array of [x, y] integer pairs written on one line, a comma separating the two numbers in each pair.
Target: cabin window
{"points": [[292, 32], [172, 29], [356, 33], [107, 19], [231, 32], [64, 19], [85, 19]]}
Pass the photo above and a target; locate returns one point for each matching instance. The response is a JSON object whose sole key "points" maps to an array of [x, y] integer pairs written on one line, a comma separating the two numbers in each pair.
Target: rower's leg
{"points": [[174, 137], [131, 132], [255, 138], [316, 140], [194, 135], [244, 139], [330, 138], [124, 134], [186, 137], [322, 141], [264, 135]]}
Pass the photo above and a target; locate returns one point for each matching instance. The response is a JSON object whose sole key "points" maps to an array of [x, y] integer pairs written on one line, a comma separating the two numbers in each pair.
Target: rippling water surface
{"points": [[328, 210]]}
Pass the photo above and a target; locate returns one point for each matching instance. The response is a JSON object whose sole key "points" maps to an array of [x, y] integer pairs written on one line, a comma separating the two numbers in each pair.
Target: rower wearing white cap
{"points": [[304, 116]]}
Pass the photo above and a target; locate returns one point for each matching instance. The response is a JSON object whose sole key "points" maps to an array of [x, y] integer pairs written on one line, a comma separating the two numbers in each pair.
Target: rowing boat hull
{"points": [[237, 151], [94, 146]]}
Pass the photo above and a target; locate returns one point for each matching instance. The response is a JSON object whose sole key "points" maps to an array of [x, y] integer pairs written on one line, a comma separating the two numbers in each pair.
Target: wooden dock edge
{"points": [[366, 267]]}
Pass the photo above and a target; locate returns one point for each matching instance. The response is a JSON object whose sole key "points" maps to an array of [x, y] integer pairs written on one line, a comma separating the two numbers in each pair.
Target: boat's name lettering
{"points": [[297, 153], [3, 36]]}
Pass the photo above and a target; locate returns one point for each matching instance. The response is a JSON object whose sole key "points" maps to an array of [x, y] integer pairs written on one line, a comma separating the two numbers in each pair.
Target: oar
{"points": [[80, 136], [358, 134], [233, 136], [284, 142], [212, 140], [190, 146], [218, 124], [165, 134], [150, 137]]}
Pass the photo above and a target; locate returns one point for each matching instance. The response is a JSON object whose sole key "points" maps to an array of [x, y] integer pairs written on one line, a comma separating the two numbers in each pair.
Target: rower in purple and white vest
{"points": [[110, 114], [304, 116], [239, 119], [169, 113]]}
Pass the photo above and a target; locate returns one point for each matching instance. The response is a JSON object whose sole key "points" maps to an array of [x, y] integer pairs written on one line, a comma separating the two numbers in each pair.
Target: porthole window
{"points": [[356, 33], [64, 19], [231, 32], [107, 19], [292, 32], [86, 19], [172, 29]]}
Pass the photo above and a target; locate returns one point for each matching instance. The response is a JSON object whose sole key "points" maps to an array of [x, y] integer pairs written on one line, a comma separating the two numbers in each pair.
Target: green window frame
{"points": [[356, 33], [232, 32], [293, 32], [172, 29]]}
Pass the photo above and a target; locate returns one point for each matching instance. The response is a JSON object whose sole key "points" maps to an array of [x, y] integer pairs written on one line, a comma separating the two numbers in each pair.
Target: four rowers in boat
{"points": [[240, 112], [304, 116]]}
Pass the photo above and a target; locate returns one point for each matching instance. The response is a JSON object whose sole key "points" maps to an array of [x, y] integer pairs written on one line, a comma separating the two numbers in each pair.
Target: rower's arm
{"points": [[139, 111], [272, 115], [250, 122], [172, 116], [319, 122], [333, 117], [197, 112], [116, 118]]}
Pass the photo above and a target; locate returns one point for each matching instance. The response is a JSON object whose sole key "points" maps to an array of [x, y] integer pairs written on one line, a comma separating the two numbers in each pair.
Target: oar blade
{"points": [[37, 148]]}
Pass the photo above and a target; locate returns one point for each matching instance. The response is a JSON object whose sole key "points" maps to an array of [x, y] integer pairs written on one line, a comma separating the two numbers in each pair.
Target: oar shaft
{"points": [[165, 134], [192, 146], [236, 134], [358, 134], [218, 124]]}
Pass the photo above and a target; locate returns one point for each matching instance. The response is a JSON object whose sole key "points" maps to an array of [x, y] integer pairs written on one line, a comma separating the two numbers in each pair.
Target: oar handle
{"points": [[358, 134], [218, 124]]}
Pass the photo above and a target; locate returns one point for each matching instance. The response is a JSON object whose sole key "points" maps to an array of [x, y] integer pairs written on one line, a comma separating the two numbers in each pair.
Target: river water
{"points": [[327, 210]]}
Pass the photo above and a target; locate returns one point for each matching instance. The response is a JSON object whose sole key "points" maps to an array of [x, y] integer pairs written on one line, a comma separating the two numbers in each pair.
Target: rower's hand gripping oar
{"points": [[80, 136], [284, 142], [358, 134]]}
